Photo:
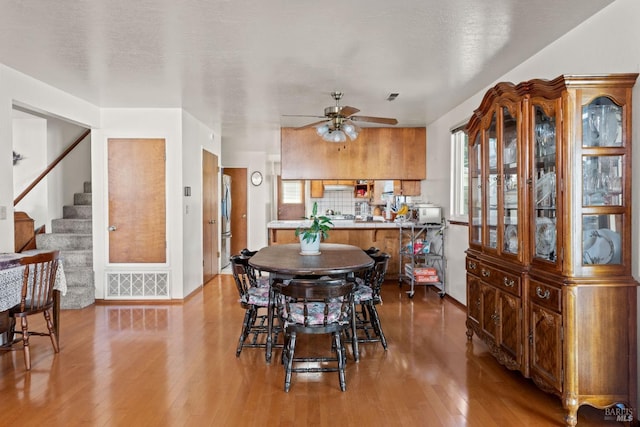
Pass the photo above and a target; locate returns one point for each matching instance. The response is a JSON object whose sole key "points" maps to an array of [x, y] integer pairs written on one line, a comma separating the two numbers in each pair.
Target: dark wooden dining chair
{"points": [[37, 297], [256, 276], [255, 301], [367, 297], [308, 306]]}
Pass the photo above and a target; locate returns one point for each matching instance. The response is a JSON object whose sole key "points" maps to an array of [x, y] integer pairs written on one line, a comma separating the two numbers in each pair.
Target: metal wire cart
{"points": [[422, 258]]}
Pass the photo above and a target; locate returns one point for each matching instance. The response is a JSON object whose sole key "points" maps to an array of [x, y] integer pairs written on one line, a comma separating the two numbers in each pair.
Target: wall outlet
{"points": [[3, 212]]}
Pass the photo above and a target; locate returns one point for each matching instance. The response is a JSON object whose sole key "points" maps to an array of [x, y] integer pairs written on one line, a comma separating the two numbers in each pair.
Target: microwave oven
{"points": [[428, 214]]}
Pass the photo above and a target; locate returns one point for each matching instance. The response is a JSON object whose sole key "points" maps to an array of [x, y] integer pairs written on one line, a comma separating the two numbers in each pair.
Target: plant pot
{"points": [[310, 247]]}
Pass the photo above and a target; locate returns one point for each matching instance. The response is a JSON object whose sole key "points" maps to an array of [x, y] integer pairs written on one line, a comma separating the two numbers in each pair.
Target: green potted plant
{"points": [[310, 235]]}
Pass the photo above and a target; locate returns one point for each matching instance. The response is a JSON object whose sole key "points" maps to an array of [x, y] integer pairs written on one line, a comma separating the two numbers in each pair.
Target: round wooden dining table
{"points": [[285, 261]]}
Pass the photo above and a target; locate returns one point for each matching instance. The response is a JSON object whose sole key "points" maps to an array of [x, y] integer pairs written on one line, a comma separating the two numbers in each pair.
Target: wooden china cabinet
{"points": [[549, 284]]}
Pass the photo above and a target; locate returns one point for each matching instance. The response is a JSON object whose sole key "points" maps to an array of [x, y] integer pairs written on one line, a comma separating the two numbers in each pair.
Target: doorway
{"points": [[238, 209], [210, 254]]}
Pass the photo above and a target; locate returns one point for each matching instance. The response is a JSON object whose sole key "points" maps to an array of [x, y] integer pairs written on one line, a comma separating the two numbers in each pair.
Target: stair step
{"points": [[77, 258], [76, 211], [79, 277], [82, 199], [78, 297], [72, 236], [71, 225], [64, 241]]}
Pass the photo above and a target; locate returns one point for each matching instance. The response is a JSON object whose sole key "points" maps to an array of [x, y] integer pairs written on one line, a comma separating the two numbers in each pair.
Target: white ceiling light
{"points": [[338, 130]]}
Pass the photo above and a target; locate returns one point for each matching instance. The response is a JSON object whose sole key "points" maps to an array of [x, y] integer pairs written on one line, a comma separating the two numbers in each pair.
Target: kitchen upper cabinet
{"points": [[406, 187], [377, 153], [317, 188]]}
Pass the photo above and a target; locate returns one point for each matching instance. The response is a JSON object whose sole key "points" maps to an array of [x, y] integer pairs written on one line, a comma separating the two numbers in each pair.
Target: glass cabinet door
{"points": [[510, 241], [544, 184], [491, 139], [475, 202], [602, 182]]}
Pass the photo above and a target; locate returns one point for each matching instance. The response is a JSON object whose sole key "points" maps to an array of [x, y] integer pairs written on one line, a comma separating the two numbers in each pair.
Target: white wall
{"points": [[195, 138], [20, 89], [185, 137], [259, 198], [68, 177], [138, 123], [30, 141]]}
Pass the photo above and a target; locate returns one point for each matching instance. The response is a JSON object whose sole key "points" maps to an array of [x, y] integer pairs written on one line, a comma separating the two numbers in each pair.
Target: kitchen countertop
{"points": [[337, 223]]}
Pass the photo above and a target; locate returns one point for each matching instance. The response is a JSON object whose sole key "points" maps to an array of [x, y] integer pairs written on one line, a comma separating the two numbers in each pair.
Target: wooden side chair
{"points": [[314, 306], [256, 277], [255, 301], [37, 297], [367, 297]]}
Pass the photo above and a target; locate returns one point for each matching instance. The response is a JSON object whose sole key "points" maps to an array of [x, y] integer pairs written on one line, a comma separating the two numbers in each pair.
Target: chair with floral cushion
{"points": [[256, 277], [366, 297], [255, 300], [314, 306]]}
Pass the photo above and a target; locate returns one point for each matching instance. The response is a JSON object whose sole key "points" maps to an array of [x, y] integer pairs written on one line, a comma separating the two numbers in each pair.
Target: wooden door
{"points": [[488, 304], [137, 200], [209, 216], [290, 199], [510, 329], [473, 299], [238, 208], [546, 347]]}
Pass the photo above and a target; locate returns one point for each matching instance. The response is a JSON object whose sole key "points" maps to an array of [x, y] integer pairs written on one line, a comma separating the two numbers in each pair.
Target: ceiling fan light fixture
{"points": [[335, 135], [351, 130], [322, 130]]}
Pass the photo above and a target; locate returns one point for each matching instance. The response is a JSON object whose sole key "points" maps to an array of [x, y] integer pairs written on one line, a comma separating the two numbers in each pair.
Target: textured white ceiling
{"points": [[244, 63]]}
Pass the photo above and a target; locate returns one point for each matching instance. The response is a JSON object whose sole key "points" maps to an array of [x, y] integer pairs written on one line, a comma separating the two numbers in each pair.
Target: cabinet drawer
{"points": [[546, 296], [505, 281], [473, 266]]}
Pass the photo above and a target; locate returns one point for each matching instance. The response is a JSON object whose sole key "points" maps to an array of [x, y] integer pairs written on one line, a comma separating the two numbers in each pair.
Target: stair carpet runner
{"points": [[72, 235]]}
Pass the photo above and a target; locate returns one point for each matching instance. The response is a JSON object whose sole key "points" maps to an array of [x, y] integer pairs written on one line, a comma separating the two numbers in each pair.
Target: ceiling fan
{"points": [[338, 120]]}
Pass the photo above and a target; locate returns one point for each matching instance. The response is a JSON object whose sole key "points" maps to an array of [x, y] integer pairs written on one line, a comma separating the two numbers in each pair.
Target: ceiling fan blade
{"points": [[301, 115], [346, 111], [382, 120], [312, 124]]}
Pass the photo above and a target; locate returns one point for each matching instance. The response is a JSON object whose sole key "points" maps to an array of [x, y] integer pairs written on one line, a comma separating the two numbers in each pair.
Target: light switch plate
{"points": [[3, 212]]}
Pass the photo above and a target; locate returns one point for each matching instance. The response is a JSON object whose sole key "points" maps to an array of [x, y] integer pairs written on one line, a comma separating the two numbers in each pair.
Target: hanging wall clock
{"points": [[256, 178]]}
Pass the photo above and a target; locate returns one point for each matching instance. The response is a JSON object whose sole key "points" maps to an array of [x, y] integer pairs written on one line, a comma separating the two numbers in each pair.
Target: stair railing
{"points": [[51, 166]]}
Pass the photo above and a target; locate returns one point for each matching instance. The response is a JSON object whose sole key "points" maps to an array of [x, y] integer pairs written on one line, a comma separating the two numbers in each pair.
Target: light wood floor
{"points": [[175, 365]]}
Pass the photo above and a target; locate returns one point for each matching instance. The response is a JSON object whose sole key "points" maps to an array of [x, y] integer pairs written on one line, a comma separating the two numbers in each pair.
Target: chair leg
{"points": [[245, 331], [341, 360], [354, 333], [25, 343], [289, 366], [52, 331], [377, 327]]}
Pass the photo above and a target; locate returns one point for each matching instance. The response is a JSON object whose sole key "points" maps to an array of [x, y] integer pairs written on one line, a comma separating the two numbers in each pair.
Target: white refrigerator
{"points": [[225, 217]]}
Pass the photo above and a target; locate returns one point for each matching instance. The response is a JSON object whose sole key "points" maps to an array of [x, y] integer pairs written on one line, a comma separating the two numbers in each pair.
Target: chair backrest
{"points": [[253, 273], [324, 301], [378, 272], [247, 253], [38, 281], [241, 274], [371, 251]]}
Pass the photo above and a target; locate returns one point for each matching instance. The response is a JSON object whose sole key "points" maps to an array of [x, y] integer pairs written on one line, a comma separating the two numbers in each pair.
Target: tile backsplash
{"points": [[338, 201]]}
